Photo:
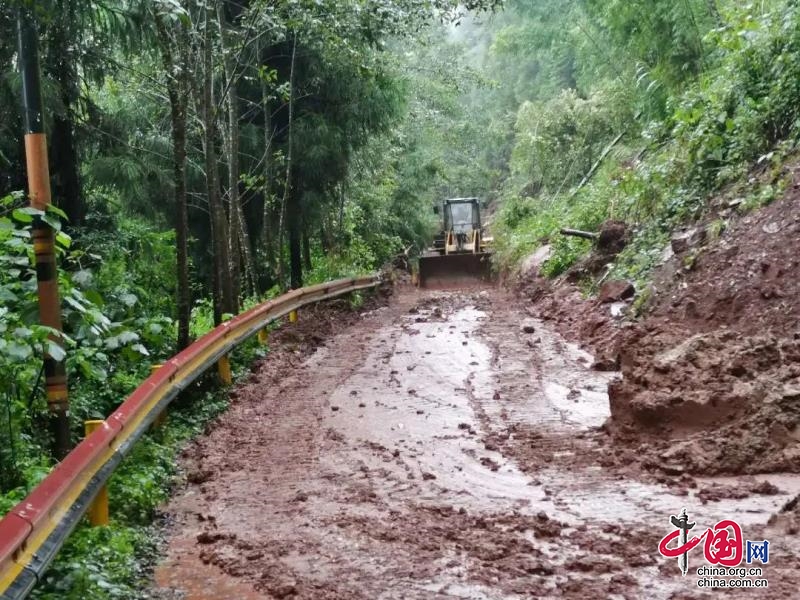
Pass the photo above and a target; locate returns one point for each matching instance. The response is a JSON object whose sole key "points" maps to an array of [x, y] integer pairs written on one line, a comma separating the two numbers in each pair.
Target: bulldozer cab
{"points": [[462, 215], [461, 226]]}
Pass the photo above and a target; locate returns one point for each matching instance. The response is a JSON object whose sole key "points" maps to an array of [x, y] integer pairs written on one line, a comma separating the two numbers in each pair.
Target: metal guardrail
{"points": [[32, 533]]}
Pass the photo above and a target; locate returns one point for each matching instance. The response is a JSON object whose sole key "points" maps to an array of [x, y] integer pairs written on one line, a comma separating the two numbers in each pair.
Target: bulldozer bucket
{"points": [[454, 270]]}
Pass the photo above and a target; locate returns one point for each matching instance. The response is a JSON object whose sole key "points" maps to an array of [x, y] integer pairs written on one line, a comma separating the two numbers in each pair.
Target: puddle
{"points": [[424, 382]]}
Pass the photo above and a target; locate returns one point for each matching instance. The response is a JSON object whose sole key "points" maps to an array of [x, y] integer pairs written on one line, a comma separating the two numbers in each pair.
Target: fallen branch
{"points": [[599, 162], [587, 235]]}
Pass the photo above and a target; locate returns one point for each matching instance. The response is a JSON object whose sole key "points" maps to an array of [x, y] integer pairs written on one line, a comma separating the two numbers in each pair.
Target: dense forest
{"points": [[205, 156]]}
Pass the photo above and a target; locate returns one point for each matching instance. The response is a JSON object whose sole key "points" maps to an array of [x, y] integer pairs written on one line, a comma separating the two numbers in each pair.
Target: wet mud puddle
{"points": [[444, 449], [415, 402]]}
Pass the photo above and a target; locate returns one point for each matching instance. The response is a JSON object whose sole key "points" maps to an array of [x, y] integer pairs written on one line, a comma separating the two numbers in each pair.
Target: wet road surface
{"points": [[446, 446]]}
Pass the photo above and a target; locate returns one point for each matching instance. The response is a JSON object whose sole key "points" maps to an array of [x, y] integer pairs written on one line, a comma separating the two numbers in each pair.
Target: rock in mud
{"points": [[283, 589], [531, 265], [686, 240], [207, 537], [765, 488], [198, 476], [615, 291], [606, 363]]}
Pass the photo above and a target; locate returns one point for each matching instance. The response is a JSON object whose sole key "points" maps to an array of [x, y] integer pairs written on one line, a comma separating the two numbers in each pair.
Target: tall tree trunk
{"points": [[234, 242], [67, 189], [293, 218], [323, 239], [241, 255], [266, 222], [287, 193], [224, 299], [306, 249], [713, 10], [247, 251], [236, 247], [184, 301], [177, 89], [341, 210]]}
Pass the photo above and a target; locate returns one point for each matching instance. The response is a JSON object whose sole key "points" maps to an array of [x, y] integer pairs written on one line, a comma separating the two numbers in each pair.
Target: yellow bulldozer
{"points": [[460, 254]]}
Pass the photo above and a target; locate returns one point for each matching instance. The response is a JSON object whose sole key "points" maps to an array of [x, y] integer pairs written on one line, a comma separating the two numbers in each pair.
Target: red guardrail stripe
{"points": [[13, 531], [45, 497]]}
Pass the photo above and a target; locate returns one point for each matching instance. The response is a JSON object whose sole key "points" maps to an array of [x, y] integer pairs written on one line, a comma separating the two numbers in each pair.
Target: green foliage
{"points": [[114, 561], [559, 141], [97, 562], [524, 224], [112, 332], [354, 135], [391, 112], [665, 39], [728, 119]]}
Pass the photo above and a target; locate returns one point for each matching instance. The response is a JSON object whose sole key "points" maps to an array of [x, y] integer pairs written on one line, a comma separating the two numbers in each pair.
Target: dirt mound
{"points": [[590, 322], [788, 519], [714, 370], [711, 376], [612, 238], [608, 243]]}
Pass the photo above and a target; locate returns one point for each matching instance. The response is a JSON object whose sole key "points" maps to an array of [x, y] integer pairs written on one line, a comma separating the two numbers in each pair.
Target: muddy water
{"points": [[436, 451]]}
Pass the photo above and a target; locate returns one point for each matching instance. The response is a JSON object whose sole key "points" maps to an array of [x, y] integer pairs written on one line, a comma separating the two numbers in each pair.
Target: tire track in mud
{"points": [[434, 450]]}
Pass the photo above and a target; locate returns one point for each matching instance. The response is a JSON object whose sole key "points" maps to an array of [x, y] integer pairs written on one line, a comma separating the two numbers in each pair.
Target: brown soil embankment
{"points": [[711, 374]]}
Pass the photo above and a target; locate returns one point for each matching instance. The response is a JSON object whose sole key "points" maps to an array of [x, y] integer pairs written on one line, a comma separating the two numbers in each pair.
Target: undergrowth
{"points": [[116, 561]]}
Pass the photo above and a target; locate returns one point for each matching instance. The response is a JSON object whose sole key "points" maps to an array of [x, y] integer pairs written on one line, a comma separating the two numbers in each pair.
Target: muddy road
{"points": [[443, 446]]}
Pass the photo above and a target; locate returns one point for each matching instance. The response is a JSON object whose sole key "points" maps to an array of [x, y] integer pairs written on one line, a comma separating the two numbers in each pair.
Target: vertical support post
{"points": [[42, 234], [263, 337], [293, 317], [98, 509], [224, 369], [162, 416]]}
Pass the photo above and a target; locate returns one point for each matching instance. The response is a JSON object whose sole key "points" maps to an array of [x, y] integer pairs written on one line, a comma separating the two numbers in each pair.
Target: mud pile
{"points": [[711, 376], [714, 403], [714, 370]]}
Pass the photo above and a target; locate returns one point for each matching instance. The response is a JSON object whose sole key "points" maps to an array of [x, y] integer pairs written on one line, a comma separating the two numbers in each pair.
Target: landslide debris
{"points": [[711, 375]]}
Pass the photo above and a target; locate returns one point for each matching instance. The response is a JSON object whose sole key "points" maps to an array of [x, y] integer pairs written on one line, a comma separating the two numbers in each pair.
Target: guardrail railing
{"points": [[32, 533]]}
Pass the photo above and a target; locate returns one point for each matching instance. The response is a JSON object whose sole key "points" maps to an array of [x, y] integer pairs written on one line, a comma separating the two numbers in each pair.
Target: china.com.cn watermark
{"points": [[724, 549], [731, 577]]}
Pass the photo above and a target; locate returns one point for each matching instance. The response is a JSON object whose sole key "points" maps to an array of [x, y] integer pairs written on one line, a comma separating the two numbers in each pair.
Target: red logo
{"points": [[723, 544]]}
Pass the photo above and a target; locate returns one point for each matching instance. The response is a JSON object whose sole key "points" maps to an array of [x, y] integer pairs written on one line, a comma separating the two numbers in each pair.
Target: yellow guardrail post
{"points": [[293, 317], [162, 416], [98, 509], [224, 370], [263, 337]]}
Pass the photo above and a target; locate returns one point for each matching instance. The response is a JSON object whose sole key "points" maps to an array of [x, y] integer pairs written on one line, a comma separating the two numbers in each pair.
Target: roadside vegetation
{"points": [[204, 156], [636, 111]]}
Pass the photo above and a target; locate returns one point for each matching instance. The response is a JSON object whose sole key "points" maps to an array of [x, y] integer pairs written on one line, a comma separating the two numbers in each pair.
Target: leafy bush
{"points": [[115, 327]]}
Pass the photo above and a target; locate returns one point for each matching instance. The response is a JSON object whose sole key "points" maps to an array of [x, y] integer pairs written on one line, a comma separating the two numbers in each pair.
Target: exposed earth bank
{"points": [[711, 375]]}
